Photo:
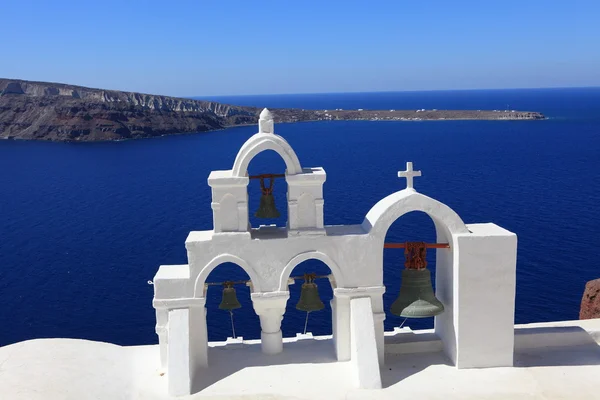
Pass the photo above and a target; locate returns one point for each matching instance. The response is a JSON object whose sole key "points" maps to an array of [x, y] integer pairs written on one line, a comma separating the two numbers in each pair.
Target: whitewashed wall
{"points": [[475, 277]]}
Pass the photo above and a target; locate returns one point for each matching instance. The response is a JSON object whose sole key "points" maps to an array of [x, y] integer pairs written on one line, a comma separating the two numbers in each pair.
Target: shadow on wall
{"points": [[555, 346], [226, 361], [535, 347], [401, 366]]}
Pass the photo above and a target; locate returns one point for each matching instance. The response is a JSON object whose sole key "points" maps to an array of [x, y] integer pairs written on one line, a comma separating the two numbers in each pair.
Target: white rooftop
{"points": [[559, 360]]}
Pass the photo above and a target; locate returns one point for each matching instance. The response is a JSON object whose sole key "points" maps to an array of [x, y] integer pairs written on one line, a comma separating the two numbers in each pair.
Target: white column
{"points": [[341, 313], [445, 290], [364, 358], [319, 205], [292, 212], [484, 298], [242, 207], [216, 207], [270, 308], [187, 348], [179, 372], [162, 317], [378, 318], [198, 336]]}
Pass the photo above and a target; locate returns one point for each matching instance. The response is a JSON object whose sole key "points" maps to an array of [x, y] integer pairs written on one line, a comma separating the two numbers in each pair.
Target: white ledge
{"points": [[52, 369]]}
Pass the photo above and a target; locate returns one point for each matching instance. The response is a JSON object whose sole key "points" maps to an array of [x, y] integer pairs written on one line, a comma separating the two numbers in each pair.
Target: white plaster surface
{"points": [[67, 369], [475, 276], [363, 350], [178, 362]]}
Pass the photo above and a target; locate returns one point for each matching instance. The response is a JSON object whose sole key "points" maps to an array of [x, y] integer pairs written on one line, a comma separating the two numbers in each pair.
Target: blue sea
{"points": [[84, 226]]}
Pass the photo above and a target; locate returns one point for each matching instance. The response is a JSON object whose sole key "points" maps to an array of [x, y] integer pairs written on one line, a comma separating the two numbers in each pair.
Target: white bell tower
{"points": [[305, 186]]}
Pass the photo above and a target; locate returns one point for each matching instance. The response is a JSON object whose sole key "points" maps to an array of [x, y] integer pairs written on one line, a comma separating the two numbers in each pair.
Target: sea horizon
{"points": [[201, 97]]}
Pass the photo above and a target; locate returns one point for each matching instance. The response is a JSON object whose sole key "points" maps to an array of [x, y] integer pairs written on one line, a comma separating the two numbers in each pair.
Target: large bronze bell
{"points": [[267, 208], [309, 295], [229, 301], [416, 298]]}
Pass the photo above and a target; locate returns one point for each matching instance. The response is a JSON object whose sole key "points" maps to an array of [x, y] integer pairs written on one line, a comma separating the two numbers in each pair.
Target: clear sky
{"points": [[214, 47]]}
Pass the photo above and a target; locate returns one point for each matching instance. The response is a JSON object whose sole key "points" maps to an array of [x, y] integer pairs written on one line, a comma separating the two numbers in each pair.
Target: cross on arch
{"points": [[409, 174]]}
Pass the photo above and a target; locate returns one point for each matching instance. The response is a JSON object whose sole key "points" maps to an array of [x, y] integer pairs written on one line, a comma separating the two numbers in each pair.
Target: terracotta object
{"points": [[590, 303]]}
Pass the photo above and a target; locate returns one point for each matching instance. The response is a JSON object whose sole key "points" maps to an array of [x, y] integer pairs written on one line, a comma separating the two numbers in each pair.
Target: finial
{"points": [[409, 174], [265, 122]]}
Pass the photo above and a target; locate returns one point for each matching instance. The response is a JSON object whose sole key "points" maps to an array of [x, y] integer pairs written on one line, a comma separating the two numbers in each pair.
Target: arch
{"points": [[389, 209], [261, 142], [412, 226], [218, 260], [317, 255]]}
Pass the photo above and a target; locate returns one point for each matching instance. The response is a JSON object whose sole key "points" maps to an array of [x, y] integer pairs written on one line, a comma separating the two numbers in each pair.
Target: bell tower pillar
{"points": [[305, 200], [270, 308], [229, 202]]}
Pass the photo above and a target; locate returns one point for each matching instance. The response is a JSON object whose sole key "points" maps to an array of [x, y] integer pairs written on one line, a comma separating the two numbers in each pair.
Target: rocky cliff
{"points": [[38, 110], [61, 112], [590, 303]]}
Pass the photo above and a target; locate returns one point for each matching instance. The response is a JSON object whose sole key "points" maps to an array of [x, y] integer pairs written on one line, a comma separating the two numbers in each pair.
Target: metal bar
{"points": [[246, 282], [266, 176], [221, 283], [302, 277], [427, 245]]}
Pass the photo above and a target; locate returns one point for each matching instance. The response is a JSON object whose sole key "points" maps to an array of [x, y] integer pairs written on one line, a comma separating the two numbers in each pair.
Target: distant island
{"points": [[61, 112]]}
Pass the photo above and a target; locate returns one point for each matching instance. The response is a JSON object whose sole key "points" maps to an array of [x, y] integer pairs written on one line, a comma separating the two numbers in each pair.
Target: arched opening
{"points": [[267, 162], [319, 322], [448, 226], [218, 321], [414, 226]]}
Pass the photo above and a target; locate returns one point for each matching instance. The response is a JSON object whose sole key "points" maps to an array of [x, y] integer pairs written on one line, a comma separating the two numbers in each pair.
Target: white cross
{"points": [[409, 174]]}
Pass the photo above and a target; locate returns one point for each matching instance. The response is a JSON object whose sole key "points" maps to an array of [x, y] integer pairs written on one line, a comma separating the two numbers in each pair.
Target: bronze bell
{"points": [[416, 298], [309, 296], [229, 301], [267, 208]]}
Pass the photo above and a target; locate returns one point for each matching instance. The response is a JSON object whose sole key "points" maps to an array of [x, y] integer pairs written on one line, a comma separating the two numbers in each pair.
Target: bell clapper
{"points": [[306, 322], [402, 324], [232, 326]]}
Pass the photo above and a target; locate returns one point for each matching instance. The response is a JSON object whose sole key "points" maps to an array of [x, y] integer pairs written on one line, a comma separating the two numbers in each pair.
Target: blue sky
{"points": [[219, 47]]}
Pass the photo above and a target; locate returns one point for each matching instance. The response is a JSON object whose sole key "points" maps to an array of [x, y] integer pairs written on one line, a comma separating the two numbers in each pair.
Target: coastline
{"points": [[67, 113], [538, 117]]}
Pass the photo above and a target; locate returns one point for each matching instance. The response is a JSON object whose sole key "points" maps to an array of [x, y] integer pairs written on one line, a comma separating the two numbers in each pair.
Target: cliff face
{"points": [[147, 101], [61, 112], [37, 110]]}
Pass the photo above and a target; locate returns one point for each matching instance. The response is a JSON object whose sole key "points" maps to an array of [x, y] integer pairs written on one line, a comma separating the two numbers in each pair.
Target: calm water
{"points": [[83, 227]]}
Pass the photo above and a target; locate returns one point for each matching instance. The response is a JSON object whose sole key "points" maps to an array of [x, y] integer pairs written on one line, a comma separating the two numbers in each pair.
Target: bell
{"points": [[267, 208], [309, 296], [229, 301], [416, 298]]}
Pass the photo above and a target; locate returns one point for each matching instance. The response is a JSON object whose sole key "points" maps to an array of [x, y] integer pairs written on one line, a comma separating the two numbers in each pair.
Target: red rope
{"points": [[415, 253], [266, 190]]}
